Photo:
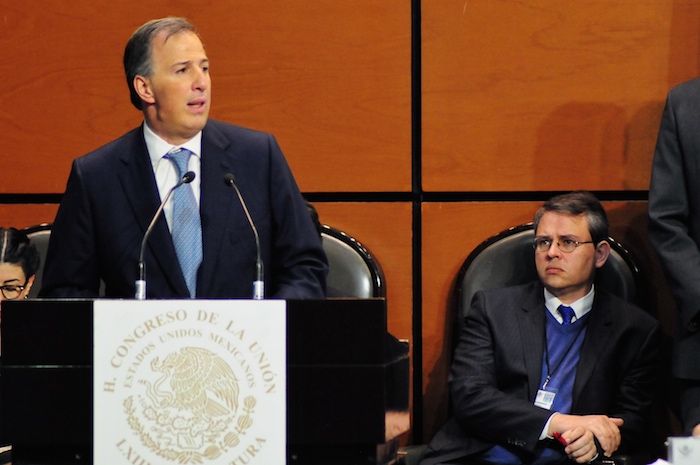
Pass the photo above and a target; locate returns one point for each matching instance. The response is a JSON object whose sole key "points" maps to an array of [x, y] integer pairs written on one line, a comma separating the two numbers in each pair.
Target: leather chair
{"points": [[507, 259], [39, 235], [353, 269]]}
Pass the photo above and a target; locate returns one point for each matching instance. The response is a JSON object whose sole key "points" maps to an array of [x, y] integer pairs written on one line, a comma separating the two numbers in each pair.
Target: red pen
{"points": [[558, 437]]}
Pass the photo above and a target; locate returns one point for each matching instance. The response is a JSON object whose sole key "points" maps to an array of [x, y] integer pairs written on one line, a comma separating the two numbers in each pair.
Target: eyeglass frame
{"points": [[539, 240], [21, 289]]}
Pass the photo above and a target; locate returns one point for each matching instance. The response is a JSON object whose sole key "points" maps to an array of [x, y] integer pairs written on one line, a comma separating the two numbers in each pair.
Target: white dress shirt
{"points": [[165, 170]]}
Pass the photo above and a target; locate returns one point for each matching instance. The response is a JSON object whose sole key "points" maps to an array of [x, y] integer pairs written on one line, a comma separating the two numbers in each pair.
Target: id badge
{"points": [[545, 398]]}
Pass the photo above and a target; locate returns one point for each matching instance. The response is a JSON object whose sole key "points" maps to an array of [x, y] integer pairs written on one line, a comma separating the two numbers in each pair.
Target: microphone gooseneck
{"points": [[259, 283], [141, 282]]}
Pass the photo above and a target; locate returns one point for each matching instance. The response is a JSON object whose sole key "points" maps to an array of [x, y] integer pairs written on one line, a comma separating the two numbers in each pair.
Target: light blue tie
{"points": [[187, 225], [567, 313]]}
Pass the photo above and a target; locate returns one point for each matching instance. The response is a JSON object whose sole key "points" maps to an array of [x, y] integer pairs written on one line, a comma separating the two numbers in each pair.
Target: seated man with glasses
{"points": [[554, 371]]}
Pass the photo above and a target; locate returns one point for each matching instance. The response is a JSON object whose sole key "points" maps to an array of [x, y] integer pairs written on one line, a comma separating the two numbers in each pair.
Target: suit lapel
{"points": [[531, 321], [218, 158], [598, 333], [140, 189]]}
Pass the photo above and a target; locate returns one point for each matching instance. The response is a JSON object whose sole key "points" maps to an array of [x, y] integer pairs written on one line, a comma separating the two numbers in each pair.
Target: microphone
{"points": [[141, 282], [259, 283]]}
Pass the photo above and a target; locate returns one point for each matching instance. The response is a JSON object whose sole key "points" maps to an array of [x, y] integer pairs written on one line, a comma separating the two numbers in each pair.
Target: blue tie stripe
{"points": [[187, 225]]}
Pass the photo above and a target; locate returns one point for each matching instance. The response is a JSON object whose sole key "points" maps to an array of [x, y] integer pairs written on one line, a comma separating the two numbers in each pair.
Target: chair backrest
{"points": [[353, 270], [508, 259], [39, 235]]}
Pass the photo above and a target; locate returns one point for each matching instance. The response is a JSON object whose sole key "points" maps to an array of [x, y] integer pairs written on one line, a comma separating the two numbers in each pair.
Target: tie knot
{"points": [[567, 314], [181, 158]]}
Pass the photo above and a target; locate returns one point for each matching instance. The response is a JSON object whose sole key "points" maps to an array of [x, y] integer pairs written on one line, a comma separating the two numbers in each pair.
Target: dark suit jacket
{"points": [[497, 368], [674, 217], [112, 196]]}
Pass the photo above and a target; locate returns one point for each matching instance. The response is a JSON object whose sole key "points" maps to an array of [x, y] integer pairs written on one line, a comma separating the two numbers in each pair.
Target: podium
{"points": [[347, 382]]}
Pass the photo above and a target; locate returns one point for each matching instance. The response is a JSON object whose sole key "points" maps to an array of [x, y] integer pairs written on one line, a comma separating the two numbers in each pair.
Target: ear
{"points": [[602, 252], [28, 287], [143, 88]]}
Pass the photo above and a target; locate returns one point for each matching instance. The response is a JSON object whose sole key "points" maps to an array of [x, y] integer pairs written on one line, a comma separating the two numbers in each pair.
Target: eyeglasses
{"points": [[11, 291], [543, 244]]}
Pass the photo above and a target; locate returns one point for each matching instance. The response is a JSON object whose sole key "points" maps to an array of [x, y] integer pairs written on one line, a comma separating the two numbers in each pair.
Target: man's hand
{"points": [[580, 446], [696, 430], [603, 428]]}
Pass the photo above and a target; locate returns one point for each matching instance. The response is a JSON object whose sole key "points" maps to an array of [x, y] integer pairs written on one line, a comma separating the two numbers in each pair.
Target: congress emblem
{"points": [[189, 385], [191, 412]]}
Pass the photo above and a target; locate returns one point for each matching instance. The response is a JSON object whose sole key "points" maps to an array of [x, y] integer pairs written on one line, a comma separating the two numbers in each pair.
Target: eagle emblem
{"points": [[187, 414]]}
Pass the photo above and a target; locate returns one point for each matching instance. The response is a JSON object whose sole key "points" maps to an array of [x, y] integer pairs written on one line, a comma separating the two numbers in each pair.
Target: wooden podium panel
{"points": [[347, 381]]}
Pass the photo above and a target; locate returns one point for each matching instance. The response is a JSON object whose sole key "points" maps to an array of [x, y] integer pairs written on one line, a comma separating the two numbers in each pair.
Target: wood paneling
{"points": [[331, 80], [521, 96], [24, 215]]}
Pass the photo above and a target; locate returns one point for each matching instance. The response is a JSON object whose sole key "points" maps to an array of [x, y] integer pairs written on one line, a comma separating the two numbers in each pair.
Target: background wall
{"points": [[419, 127]]}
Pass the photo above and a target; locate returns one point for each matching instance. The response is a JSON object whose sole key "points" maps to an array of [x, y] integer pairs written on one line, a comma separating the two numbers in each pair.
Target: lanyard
{"points": [[551, 372]]}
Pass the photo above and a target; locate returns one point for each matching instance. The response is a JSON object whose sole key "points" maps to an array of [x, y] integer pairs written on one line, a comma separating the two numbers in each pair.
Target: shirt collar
{"points": [[158, 147], [581, 307]]}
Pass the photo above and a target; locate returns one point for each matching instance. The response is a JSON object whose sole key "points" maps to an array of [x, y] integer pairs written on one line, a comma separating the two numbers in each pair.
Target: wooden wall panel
{"points": [[521, 96], [24, 215], [452, 230], [331, 80]]}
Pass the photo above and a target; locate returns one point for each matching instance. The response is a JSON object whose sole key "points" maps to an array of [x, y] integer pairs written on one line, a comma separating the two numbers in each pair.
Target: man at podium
{"points": [[230, 205]]}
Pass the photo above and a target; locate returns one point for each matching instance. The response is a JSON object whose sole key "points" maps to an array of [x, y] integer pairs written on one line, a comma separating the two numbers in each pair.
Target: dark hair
{"points": [[139, 50], [575, 204], [17, 249]]}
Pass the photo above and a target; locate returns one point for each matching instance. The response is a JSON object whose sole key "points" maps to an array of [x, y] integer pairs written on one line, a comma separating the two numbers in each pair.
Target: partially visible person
{"points": [[674, 231], [553, 358], [203, 245], [19, 261]]}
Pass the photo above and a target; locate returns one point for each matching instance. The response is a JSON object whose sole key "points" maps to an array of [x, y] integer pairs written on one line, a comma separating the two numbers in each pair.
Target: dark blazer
{"points": [[674, 217], [111, 197], [497, 368]]}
